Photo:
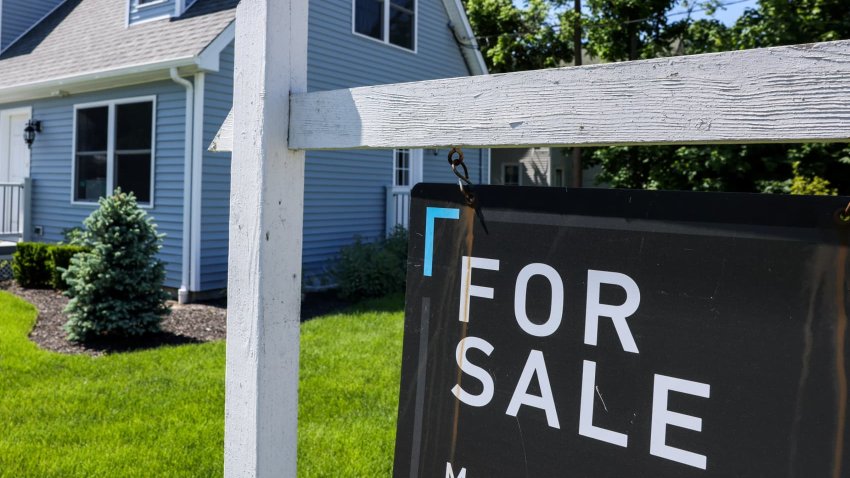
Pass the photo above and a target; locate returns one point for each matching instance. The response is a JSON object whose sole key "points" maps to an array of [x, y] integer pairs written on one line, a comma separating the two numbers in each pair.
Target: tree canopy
{"points": [[538, 34]]}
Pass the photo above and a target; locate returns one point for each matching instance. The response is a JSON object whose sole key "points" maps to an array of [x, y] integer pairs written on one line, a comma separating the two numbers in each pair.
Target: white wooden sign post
{"points": [[785, 94], [266, 210]]}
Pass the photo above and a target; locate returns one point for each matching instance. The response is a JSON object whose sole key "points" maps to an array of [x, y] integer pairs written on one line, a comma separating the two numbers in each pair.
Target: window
{"points": [[401, 168], [510, 174], [113, 148], [389, 21]]}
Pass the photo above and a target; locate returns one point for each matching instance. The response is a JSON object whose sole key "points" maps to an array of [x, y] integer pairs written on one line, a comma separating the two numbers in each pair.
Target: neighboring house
{"points": [[537, 167], [130, 93]]}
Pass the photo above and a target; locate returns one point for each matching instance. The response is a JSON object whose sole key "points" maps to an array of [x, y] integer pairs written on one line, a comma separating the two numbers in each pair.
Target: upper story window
{"points": [[389, 21], [113, 147]]}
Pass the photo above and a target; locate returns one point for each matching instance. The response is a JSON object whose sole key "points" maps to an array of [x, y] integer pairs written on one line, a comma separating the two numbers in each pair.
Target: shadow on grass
{"points": [[317, 304], [141, 342]]}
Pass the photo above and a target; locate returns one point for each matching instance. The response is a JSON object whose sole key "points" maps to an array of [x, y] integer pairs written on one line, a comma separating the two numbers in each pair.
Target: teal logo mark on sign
{"points": [[432, 214]]}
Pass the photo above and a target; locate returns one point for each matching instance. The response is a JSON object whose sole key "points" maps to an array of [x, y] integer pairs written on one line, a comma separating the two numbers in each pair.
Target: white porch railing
{"points": [[398, 208], [15, 199]]}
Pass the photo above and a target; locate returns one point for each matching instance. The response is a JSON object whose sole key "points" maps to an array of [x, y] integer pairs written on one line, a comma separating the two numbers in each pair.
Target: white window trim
{"points": [[386, 27], [142, 6], [519, 173], [110, 147], [415, 160]]}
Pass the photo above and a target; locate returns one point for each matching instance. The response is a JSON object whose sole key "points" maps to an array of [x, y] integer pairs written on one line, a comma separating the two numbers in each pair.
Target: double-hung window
{"points": [[401, 168], [389, 21], [113, 148]]}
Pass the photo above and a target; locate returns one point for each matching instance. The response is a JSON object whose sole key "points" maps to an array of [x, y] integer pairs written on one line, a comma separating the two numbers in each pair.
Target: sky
{"points": [[727, 14]]}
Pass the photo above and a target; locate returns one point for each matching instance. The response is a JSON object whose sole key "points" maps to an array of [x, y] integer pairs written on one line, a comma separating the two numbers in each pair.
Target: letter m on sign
{"points": [[451, 474]]}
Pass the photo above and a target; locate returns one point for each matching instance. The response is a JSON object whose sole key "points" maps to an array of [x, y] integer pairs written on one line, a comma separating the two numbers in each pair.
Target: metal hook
{"points": [[463, 177]]}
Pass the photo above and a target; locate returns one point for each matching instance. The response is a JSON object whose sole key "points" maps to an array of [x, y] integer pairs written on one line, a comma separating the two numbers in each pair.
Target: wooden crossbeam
{"points": [[785, 94]]}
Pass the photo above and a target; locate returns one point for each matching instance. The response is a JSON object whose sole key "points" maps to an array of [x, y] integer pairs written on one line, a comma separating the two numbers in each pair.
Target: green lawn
{"points": [[160, 412]]}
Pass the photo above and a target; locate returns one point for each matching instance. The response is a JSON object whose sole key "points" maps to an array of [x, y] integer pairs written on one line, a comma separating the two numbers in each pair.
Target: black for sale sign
{"points": [[603, 333]]}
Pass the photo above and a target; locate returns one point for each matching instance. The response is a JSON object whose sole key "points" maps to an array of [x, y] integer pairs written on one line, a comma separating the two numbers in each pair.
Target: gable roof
{"points": [[89, 39]]}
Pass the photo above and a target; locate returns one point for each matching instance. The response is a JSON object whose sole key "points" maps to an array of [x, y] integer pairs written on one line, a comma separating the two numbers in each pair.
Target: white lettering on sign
{"points": [[450, 473], [585, 417], [535, 365], [467, 367], [617, 313], [467, 289], [556, 307], [661, 417]]}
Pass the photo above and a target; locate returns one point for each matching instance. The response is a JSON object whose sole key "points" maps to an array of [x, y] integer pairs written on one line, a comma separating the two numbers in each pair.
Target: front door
{"points": [[14, 167]]}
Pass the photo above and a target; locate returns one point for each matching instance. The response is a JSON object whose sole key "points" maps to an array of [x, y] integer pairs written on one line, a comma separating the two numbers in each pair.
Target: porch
{"points": [[397, 208]]}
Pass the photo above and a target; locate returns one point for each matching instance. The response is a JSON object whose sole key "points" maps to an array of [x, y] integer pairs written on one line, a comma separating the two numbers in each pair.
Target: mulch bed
{"points": [[190, 323]]}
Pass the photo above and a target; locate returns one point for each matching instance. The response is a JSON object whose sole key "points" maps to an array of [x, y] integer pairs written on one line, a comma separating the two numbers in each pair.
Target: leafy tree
{"points": [[116, 286], [517, 39], [756, 168], [628, 29]]}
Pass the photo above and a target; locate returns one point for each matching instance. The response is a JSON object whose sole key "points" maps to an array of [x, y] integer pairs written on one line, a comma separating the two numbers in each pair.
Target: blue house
{"points": [[130, 93]]}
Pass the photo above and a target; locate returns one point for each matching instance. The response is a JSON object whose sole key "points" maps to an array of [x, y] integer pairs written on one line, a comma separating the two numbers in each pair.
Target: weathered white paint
{"points": [[784, 94], [266, 208]]}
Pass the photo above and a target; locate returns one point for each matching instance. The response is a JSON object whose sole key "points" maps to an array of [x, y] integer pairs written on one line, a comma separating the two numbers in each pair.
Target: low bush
{"points": [[30, 265], [373, 269], [58, 261]]}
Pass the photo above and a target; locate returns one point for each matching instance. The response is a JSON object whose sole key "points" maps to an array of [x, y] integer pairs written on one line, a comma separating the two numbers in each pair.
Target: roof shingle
{"points": [[87, 36]]}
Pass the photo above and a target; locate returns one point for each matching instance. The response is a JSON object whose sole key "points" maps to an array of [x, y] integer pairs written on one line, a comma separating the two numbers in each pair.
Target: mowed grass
{"points": [[161, 412]]}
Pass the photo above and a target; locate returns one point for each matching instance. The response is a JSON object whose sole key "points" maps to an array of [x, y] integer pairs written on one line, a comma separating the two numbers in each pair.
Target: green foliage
{"points": [[628, 29], [783, 22], [116, 287], [73, 236], [810, 185], [30, 265], [59, 258], [373, 269], [514, 38]]}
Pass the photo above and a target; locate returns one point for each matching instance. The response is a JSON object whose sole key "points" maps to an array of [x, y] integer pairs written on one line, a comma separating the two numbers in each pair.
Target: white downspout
{"points": [[183, 292]]}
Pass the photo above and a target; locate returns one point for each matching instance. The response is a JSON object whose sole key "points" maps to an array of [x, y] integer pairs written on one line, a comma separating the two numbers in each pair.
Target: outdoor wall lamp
{"points": [[30, 130]]}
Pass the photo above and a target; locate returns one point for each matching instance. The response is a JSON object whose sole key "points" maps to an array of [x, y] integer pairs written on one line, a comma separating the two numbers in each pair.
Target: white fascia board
{"points": [[208, 60], [466, 37], [119, 76]]}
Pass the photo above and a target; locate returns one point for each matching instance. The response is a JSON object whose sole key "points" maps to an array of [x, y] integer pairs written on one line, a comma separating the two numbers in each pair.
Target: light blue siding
{"points": [[52, 153], [344, 190], [18, 16], [150, 11], [218, 99]]}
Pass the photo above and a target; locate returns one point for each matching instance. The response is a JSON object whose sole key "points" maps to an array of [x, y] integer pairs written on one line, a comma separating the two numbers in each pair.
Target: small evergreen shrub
{"points": [[59, 258], [116, 287], [30, 266], [373, 269]]}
